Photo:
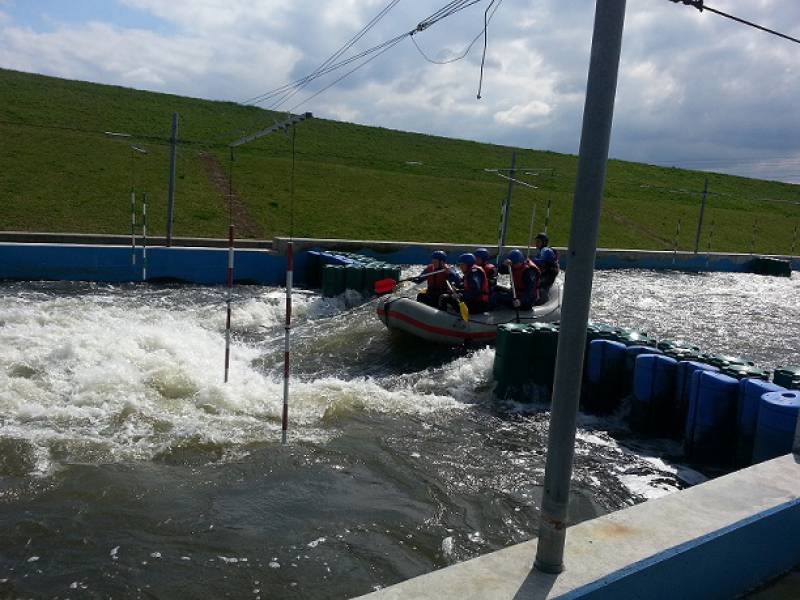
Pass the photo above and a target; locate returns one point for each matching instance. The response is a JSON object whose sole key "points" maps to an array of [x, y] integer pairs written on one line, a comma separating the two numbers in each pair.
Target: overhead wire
{"points": [[701, 6]]}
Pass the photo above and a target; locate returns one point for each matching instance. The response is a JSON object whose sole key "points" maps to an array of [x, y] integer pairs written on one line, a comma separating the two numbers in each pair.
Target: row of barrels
{"points": [[724, 408], [357, 273]]}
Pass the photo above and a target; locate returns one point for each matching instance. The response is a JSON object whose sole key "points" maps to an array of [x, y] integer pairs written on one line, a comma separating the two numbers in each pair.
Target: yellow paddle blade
{"points": [[464, 311]]}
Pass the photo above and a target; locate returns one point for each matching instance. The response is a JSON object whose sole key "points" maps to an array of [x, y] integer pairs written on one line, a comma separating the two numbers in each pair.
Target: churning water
{"points": [[128, 468]]}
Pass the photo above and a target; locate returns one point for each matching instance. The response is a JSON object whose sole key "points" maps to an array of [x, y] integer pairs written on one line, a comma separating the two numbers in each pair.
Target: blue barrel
{"points": [[711, 420], [631, 352], [683, 381], [605, 369], [653, 393], [750, 392], [777, 420]]}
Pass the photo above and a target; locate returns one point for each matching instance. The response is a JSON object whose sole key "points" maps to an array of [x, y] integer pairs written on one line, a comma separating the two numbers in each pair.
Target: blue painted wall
{"points": [[30, 262]]}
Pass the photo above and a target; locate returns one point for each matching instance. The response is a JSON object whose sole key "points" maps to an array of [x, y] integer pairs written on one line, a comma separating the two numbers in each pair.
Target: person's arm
{"points": [[421, 277]]}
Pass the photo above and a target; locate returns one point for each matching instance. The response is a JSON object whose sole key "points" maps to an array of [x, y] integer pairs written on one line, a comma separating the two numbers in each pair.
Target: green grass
{"points": [[61, 173]]}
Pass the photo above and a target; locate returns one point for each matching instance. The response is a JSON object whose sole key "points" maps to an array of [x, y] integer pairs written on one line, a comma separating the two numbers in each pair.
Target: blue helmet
{"points": [[516, 256], [482, 253], [439, 255], [467, 258]]}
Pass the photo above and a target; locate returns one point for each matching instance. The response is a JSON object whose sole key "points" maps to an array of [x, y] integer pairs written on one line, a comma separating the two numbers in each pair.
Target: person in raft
{"points": [[527, 283], [482, 260], [438, 273], [474, 291], [547, 260]]}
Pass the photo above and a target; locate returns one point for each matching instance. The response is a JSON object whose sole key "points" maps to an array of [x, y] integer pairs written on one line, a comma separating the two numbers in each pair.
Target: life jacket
{"points": [[491, 273], [483, 293], [520, 286], [437, 284], [549, 271]]}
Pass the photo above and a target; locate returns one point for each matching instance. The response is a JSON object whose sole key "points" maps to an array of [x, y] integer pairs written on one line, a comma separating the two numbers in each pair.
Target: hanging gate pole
{"points": [[595, 137], [287, 340], [228, 301], [133, 227], [144, 236]]}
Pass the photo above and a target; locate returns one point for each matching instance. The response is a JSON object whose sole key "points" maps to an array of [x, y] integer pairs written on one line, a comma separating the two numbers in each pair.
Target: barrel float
{"points": [[510, 368], [750, 392], [745, 372], [631, 352], [784, 376], [711, 420], [544, 344], [767, 265], [333, 280], [683, 382], [604, 374], [721, 361], [354, 277], [653, 393], [777, 421]]}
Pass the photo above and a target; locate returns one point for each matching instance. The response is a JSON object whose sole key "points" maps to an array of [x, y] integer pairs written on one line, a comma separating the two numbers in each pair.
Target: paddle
{"points": [[462, 308], [384, 286], [513, 290]]}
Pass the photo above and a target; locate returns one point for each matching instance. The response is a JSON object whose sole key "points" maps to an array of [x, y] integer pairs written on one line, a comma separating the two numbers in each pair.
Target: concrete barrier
{"points": [[716, 540]]}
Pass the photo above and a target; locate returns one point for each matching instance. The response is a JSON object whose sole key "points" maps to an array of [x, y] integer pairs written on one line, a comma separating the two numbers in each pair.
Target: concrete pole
{"points": [[700, 219], [172, 157], [597, 117]]}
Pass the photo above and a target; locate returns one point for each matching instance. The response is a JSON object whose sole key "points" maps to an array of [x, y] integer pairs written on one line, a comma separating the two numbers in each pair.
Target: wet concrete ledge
{"points": [[717, 540]]}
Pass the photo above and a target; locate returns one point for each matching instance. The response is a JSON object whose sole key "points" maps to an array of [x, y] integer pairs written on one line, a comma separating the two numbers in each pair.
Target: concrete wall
{"points": [[716, 540], [255, 264]]}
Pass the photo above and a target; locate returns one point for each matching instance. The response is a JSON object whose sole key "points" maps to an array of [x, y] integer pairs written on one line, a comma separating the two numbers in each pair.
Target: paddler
{"points": [[526, 276], [438, 273], [482, 260], [475, 289]]}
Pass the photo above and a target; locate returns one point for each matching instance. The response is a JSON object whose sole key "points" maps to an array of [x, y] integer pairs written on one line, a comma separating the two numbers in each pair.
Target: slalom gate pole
{"points": [[144, 237], [547, 216], [287, 340], [530, 231], [675, 241], [133, 227], [228, 300]]}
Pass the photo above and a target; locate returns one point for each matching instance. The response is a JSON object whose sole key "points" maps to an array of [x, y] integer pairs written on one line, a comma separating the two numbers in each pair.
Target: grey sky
{"points": [[695, 90]]}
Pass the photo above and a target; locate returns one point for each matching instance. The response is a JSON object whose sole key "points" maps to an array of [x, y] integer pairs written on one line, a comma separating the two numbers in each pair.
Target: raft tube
{"points": [[406, 314]]}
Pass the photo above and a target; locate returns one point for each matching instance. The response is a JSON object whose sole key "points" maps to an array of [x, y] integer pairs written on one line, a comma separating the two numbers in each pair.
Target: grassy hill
{"points": [[61, 172]]}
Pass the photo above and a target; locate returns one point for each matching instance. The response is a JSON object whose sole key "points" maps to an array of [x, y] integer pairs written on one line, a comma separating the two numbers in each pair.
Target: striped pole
{"points": [[675, 241], [530, 231], [547, 216], [228, 302], [133, 227], [287, 339], [144, 236]]}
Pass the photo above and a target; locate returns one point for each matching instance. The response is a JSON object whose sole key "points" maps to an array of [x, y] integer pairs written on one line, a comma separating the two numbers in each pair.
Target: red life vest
{"points": [[491, 271], [437, 284], [484, 291], [518, 273]]}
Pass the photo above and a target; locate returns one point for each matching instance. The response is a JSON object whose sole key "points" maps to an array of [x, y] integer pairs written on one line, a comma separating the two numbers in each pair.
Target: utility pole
{"points": [[595, 137], [172, 157], [700, 220]]}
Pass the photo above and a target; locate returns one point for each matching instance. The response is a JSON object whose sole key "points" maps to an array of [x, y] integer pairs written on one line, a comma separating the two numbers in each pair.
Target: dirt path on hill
{"points": [[246, 226]]}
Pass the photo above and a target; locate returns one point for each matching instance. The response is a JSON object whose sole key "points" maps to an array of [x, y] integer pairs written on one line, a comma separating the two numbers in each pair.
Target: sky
{"points": [[695, 90]]}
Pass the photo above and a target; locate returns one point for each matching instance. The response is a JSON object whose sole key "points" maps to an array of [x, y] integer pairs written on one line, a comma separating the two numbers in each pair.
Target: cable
{"points": [[699, 5], [485, 44], [466, 51]]}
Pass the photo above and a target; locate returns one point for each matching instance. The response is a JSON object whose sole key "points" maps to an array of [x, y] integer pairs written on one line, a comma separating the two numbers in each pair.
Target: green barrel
{"points": [[511, 349], [332, 280], [784, 376], [721, 361], [680, 354], [631, 337], [542, 357], [372, 273], [354, 278], [745, 371], [772, 266]]}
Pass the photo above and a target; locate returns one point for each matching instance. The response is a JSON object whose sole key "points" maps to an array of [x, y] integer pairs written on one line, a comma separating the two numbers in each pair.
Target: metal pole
{"points": [[505, 213], [547, 216], [753, 237], [144, 236], [228, 301], [710, 237], [794, 240], [700, 219], [530, 231], [133, 227], [675, 241], [597, 117], [172, 157], [287, 340]]}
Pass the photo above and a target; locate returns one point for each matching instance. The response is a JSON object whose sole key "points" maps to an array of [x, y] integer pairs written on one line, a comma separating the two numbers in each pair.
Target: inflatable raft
{"points": [[406, 314]]}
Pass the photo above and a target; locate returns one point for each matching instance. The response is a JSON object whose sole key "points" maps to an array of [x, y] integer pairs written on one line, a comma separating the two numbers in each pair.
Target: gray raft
{"points": [[428, 323]]}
